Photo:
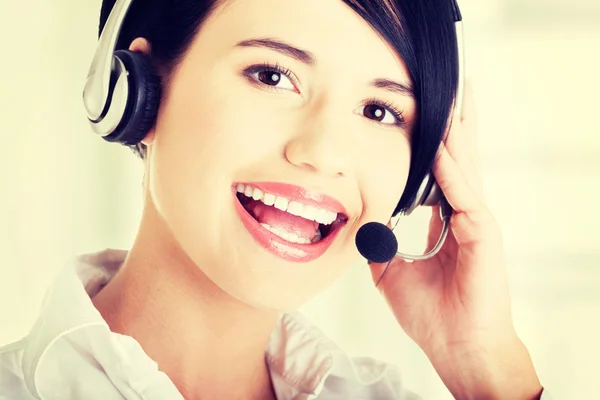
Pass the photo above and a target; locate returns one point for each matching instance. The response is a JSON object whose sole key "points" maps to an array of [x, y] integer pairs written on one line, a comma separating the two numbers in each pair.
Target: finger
{"points": [[466, 123], [380, 272], [454, 184], [470, 125], [469, 110], [462, 144], [471, 221]]}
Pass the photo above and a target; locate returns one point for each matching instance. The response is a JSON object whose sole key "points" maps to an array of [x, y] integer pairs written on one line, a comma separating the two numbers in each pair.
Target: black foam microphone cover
{"points": [[376, 242]]}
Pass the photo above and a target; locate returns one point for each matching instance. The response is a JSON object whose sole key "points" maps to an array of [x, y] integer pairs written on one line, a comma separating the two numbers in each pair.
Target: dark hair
{"points": [[421, 32]]}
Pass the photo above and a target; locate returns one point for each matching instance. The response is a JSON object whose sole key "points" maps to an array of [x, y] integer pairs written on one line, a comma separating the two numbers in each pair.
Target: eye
{"points": [[381, 112], [273, 76]]}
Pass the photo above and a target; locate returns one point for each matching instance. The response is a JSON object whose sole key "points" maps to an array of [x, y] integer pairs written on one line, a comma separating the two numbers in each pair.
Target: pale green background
{"points": [[535, 64]]}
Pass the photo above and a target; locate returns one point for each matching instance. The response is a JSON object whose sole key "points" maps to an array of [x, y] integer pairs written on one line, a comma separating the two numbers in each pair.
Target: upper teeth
{"points": [[293, 207]]}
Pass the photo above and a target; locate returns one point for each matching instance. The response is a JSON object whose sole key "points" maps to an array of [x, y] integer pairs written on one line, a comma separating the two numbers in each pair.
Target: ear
{"points": [[142, 45]]}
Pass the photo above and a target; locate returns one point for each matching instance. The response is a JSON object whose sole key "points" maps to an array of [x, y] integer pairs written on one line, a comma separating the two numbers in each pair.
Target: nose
{"points": [[321, 143]]}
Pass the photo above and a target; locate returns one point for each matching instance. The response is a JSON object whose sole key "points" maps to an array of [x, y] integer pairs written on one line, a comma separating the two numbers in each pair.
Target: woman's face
{"points": [[334, 126]]}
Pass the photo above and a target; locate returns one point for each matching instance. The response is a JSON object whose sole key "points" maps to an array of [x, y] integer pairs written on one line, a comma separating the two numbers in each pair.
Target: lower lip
{"points": [[280, 247]]}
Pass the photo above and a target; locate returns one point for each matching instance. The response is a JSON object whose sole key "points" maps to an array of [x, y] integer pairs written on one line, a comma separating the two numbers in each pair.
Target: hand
{"points": [[456, 305]]}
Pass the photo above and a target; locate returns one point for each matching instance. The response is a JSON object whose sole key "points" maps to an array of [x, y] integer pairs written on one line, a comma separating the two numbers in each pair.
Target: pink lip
{"points": [[278, 246]]}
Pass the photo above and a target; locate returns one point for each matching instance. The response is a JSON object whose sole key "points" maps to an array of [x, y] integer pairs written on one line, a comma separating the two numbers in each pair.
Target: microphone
{"points": [[377, 243]]}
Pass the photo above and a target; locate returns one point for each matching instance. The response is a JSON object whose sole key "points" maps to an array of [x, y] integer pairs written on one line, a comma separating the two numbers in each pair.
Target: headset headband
{"points": [[96, 92]]}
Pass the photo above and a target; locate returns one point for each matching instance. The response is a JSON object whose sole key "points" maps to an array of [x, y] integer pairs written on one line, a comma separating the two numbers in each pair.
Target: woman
{"points": [[263, 102]]}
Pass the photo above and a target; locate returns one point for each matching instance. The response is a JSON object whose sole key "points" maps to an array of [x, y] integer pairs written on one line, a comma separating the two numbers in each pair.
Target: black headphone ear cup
{"points": [[434, 194], [142, 101], [428, 194]]}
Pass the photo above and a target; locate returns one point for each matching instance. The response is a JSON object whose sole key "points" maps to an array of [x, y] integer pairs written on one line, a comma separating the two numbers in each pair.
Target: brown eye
{"points": [[269, 77], [274, 77], [375, 112], [381, 113]]}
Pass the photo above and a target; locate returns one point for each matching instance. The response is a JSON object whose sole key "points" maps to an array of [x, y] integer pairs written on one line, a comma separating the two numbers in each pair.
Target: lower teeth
{"points": [[290, 237]]}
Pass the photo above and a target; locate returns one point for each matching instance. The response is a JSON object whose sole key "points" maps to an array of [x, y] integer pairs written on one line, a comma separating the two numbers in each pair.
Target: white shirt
{"points": [[71, 354]]}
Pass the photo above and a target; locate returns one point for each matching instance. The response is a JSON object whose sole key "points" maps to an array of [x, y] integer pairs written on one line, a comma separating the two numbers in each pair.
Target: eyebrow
{"points": [[303, 56], [393, 86], [306, 57]]}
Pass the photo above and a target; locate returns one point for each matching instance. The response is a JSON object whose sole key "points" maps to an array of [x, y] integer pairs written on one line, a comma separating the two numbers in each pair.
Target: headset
{"points": [[122, 93], [122, 89]]}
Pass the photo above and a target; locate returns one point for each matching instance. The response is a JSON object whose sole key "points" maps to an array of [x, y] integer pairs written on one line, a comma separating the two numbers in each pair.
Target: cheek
{"points": [[210, 127], [386, 180], [205, 131], [198, 145]]}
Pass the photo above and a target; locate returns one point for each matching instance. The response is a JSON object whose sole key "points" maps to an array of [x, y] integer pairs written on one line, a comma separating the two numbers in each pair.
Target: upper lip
{"points": [[301, 195]]}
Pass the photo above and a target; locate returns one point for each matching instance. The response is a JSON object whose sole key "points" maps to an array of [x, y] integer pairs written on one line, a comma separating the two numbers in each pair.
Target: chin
{"points": [[271, 285], [269, 295]]}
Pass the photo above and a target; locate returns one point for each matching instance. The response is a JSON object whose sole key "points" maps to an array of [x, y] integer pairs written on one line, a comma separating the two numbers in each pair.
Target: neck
{"points": [[211, 345]]}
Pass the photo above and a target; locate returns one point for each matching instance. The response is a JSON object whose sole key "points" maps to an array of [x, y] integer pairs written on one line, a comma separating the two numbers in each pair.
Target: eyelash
{"points": [[389, 106], [248, 72], [266, 66]]}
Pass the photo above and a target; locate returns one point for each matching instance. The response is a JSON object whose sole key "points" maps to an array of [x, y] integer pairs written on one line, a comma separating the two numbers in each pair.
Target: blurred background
{"points": [[534, 64]]}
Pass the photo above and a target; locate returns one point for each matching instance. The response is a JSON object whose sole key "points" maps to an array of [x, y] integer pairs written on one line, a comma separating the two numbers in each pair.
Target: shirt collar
{"points": [[71, 336]]}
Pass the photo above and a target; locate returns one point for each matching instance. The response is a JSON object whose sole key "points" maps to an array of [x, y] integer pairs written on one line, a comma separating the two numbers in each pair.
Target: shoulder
{"points": [[12, 381], [304, 357]]}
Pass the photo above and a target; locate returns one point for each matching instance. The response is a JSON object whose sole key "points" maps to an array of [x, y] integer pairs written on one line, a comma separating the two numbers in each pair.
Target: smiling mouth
{"points": [[321, 232]]}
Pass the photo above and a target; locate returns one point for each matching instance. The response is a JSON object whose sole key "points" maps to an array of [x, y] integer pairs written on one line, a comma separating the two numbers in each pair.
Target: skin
{"points": [[456, 306], [204, 309]]}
